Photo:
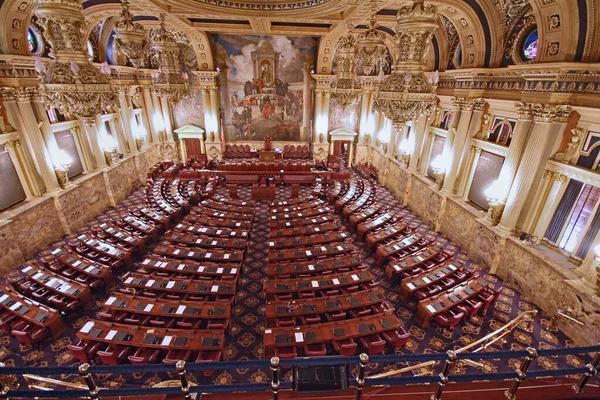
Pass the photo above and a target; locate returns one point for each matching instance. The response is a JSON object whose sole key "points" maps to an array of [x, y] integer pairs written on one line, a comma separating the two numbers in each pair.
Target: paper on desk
{"points": [[87, 327], [180, 310], [111, 334], [170, 284], [150, 282], [299, 337], [110, 301], [430, 308], [166, 341], [148, 307]]}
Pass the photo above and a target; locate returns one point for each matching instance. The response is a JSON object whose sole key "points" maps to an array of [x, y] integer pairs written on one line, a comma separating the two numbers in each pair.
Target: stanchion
{"points": [[521, 373], [360, 379], [185, 385], [83, 372], [592, 369], [275, 377], [444, 375]]}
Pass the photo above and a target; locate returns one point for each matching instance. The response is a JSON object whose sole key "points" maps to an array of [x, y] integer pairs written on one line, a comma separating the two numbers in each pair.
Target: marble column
{"points": [[91, 130], [166, 114], [36, 145], [546, 130], [149, 110], [127, 118], [477, 106], [318, 116], [418, 133], [325, 112], [306, 101], [214, 107], [395, 137], [457, 147], [549, 195], [17, 156], [517, 146]]}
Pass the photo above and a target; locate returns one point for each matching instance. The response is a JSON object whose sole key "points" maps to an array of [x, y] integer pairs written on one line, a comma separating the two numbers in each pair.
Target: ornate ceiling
{"points": [[472, 33]]}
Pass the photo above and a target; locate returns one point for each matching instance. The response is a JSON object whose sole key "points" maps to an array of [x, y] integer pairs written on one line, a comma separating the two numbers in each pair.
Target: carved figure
{"points": [[571, 154]]}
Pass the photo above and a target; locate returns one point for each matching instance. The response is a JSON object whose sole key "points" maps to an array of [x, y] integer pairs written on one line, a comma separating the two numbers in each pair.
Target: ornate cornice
{"points": [[265, 5], [551, 113]]}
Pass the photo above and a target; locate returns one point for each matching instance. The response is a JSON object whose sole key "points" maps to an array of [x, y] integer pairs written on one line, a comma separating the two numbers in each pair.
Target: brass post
{"points": [[275, 377], [360, 379], [592, 369], [89, 380], [185, 385], [444, 375], [522, 373]]}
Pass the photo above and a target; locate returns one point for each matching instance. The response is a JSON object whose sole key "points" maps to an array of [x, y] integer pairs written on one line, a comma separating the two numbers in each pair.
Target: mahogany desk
{"points": [[331, 249], [321, 219], [312, 284], [211, 231], [206, 242], [303, 241], [428, 278], [369, 225], [313, 267], [178, 285], [58, 284], [163, 264], [106, 249], [85, 266], [393, 270], [399, 246], [390, 232], [204, 255], [209, 212]]}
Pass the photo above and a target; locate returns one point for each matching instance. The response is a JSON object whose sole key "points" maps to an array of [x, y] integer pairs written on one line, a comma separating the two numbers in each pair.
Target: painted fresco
{"points": [[190, 110], [344, 117], [261, 83]]}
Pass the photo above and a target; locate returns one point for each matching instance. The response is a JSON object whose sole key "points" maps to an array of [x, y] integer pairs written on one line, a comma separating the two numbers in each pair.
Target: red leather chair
{"points": [[396, 338], [176, 355], [447, 283], [361, 312], [315, 349], [286, 352], [63, 304], [345, 347], [113, 355], [433, 290], [448, 320], [373, 344], [339, 316], [310, 319], [209, 356], [285, 321], [7, 320], [487, 300], [31, 335], [85, 352], [144, 356]]}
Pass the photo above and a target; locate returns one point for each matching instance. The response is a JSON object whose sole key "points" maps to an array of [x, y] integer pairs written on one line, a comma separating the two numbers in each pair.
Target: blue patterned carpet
{"points": [[244, 339]]}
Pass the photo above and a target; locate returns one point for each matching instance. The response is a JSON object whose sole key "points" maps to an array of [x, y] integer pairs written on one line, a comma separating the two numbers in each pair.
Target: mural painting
{"points": [[344, 117], [190, 110], [262, 85]]}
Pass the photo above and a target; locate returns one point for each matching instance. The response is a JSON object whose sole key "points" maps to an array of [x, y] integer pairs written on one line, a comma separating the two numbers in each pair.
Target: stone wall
{"points": [[537, 272], [33, 225]]}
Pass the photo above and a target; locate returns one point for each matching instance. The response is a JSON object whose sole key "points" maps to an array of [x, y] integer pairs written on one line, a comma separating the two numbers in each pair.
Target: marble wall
{"points": [[33, 225], [535, 271]]}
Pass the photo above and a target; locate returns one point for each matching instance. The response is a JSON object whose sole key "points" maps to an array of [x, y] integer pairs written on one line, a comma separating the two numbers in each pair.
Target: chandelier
{"points": [[168, 81], [72, 84], [370, 48], [130, 37], [407, 93], [345, 88]]}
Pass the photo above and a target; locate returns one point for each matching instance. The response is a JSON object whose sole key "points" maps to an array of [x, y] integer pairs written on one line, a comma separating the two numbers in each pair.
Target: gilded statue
{"points": [[571, 153]]}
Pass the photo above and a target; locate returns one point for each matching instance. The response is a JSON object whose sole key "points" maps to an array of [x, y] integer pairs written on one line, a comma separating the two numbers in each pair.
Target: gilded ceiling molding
{"points": [[15, 16], [558, 28], [265, 5]]}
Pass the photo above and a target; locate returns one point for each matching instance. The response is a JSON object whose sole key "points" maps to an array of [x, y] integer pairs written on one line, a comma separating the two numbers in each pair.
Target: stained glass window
{"points": [[32, 43], [530, 45]]}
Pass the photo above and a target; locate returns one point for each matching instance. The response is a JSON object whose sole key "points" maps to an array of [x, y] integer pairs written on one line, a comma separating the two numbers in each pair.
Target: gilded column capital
{"points": [[475, 104], [459, 103], [560, 178], [548, 174], [551, 113], [525, 110], [26, 94], [13, 144], [7, 93], [122, 89]]}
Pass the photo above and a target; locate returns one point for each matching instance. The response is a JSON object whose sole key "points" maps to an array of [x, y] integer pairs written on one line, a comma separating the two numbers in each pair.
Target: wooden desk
{"points": [[211, 231], [85, 266], [313, 267], [124, 237], [307, 230], [57, 284], [398, 246], [368, 212], [311, 212], [428, 278], [354, 190], [304, 241], [209, 212], [326, 332], [128, 303], [395, 269], [31, 311], [322, 305], [206, 242], [155, 217], [203, 220], [106, 249], [331, 249], [335, 191], [401, 228], [263, 192], [233, 202], [370, 225], [322, 219], [292, 202], [448, 299], [151, 337], [216, 205], [140, 226], [157, 263], [364, 200], [204, 255], [178, 285], [312, 284], [298, 207]]}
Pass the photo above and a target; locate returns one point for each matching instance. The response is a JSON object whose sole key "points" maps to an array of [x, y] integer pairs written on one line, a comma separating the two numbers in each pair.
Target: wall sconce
{"points": [[406, 149], [109, 146], [139, 137], [439, 169], [159, 127], [61, 168], [495, 194]]}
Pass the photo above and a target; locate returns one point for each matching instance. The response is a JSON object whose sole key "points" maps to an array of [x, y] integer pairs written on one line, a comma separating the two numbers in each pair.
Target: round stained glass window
{"points": [[32, 41], [458, 56], [530, 45]]}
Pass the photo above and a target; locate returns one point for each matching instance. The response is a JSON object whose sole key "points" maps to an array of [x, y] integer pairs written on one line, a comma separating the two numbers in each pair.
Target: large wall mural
{"points": [[190, 110], [344, 117], [262, 84]]}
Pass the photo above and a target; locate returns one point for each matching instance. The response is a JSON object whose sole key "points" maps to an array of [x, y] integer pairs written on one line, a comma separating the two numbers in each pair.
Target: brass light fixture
{"points": [[130, 37]]}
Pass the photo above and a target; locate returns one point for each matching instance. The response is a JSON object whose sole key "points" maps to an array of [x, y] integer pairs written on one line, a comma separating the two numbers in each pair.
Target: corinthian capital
{"points": [[459, 103], [475, 104], [525, 110], [7, 94], [551, 113]]}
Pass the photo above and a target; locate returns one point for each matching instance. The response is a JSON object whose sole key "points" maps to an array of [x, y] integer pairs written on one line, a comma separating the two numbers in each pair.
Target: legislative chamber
{"points": [[344, 199]]}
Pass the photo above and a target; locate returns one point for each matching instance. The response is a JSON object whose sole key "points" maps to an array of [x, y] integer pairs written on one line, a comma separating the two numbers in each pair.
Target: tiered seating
{"points": [[319, 291], [238, 151], [255, 165], [368, 171], [297, 152]]}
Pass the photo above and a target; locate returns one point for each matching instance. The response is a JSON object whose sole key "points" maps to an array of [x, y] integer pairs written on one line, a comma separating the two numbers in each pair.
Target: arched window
{"points": [[530, 45], [90, 49], [34, 41]]}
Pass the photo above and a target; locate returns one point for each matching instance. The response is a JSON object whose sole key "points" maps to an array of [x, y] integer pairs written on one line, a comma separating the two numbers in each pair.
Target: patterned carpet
{"points": [[244, 340]]}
